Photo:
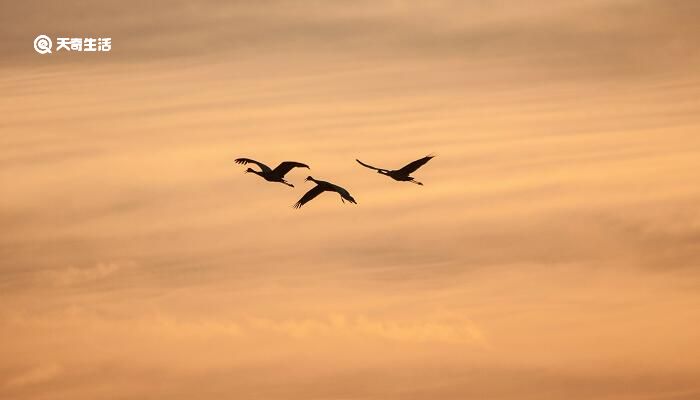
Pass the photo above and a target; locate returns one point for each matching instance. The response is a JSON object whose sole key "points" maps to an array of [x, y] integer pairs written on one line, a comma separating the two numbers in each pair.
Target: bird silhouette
{"points": [[323, 186], [272, 175], [403, 173]]}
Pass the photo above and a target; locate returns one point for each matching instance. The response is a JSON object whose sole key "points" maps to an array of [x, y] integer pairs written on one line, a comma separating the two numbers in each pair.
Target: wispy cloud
{"points": [[73, 276], [344, 326], [553, 245], [36, 375]]}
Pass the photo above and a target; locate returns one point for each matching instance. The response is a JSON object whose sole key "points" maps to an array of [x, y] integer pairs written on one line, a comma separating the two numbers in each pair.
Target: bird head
{"points": [[309, 178], [249, 170]]}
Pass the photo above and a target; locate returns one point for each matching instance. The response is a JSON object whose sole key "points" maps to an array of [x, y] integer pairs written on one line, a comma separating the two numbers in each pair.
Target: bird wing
{"points": [[287, 166], [371, 167], [344, 194], [309, 196], [248, 160], [411, 167]]}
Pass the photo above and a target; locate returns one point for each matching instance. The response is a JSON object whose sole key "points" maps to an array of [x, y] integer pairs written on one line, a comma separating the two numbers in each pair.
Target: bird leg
{"points": [[416, 182], [287, 183]]}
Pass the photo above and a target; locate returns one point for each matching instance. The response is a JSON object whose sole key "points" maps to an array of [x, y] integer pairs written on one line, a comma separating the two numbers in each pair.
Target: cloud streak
{"points": [[551, 252]]}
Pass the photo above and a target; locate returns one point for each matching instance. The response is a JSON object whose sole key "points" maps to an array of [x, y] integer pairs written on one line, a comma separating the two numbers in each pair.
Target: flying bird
{"points": [[403, 173], [272, 175], [323, 186]]}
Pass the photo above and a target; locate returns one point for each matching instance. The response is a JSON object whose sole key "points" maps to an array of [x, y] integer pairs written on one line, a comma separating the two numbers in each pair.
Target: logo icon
{"points": [[43, 44]]}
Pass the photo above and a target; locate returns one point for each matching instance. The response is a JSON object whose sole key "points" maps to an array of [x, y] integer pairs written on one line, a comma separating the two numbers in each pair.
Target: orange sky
{"points": [[553, 252]]}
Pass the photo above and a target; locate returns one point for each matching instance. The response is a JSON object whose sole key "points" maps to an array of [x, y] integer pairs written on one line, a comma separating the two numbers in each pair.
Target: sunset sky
{"points": [[553, 252]]}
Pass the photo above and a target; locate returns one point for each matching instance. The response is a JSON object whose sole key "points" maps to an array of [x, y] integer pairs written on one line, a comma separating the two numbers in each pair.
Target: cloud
{"points": [[552, 246], [339, 325], [594, 38], [76, 276], [37, 375]]}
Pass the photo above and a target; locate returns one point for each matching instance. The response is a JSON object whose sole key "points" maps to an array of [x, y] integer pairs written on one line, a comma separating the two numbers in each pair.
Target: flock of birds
{"points": [[277, 175]]}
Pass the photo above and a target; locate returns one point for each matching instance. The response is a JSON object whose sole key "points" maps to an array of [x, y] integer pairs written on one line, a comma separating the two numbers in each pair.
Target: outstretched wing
{"points": [[344, 194], [309, 196], [248, 160], [371, 167], [408, 169], [287, 166]]}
